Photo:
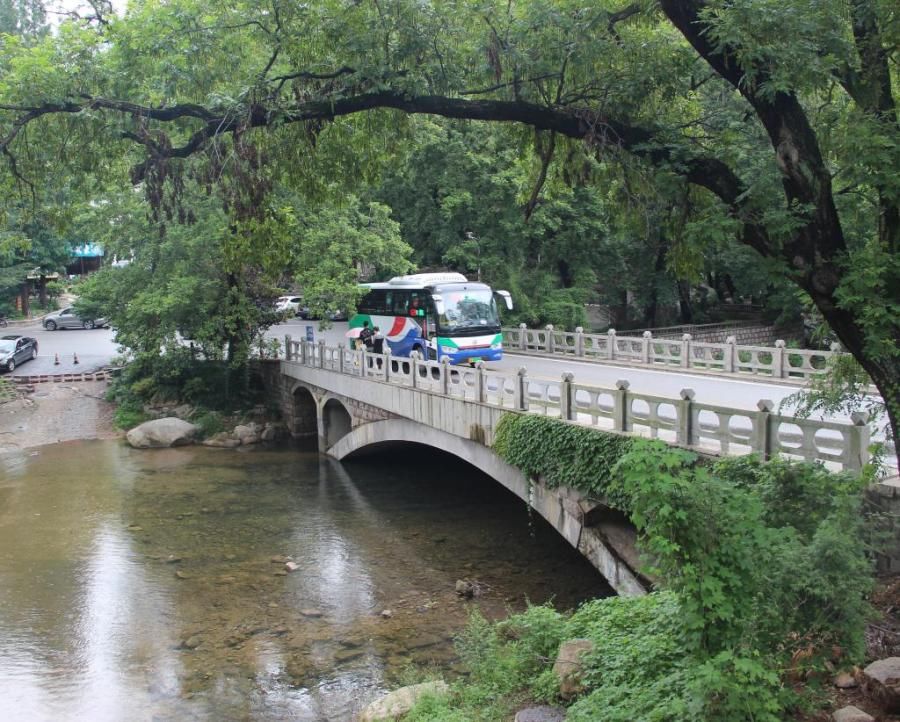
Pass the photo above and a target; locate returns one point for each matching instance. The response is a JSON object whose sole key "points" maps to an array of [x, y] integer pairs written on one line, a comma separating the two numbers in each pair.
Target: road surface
{"points": [[95, 348]]}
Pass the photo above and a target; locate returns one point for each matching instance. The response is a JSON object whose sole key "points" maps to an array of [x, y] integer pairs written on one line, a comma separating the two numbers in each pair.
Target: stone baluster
{"points": [[579, 341], [551, 342], [860, 437], [779, 361], [566, 397], [686, 351], [611, 344], [287, 347], [762, 443], [684, 434], [620, 406], [340, 353], [523, 337], [386, 360], [645, 347], [413, 368], [445, 375], [520, 396], [479, 382], [321, 353], [363, 361], [729, 355]]}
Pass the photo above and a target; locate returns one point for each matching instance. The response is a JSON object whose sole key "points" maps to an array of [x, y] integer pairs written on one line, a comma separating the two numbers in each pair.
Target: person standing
{"points": [[366, 336]]}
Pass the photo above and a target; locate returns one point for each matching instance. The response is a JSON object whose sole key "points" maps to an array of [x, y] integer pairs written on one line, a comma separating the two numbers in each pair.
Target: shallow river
{"points": [[145, 585]]}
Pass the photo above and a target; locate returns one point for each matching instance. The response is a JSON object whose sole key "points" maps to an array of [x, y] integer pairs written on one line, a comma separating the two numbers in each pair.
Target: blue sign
{"points": [[87, 250], [309, 334]]}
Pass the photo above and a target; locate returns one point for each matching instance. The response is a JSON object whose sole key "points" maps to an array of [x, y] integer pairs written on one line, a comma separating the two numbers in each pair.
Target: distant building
{"points": [[86, 258]]}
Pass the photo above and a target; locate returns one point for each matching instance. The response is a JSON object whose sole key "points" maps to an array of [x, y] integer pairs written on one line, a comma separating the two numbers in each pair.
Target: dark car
{"points": [[15, 350]]}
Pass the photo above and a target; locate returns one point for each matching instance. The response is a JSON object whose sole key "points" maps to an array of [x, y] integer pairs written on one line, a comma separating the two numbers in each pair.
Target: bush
{"points": [[761, 561], [129, 414], [210, 423]]}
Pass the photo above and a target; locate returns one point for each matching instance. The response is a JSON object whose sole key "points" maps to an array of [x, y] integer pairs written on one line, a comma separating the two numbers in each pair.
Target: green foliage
{"points": [[129, 413], [637, 667], [761, 560], [562, 454], [210, 423], [179, 377], [760, 555]]}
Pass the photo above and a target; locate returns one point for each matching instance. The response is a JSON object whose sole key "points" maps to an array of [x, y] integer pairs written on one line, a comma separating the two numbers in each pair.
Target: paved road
{"points": [[736, 392], [95, 348]]}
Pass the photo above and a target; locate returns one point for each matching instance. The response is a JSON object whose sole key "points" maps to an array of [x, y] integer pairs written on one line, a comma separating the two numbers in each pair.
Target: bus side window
{"points": [[401, 302], [375, 303], [368, 303]]}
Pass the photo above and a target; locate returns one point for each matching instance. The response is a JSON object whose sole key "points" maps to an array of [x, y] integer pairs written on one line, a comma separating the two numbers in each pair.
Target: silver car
{"points": [[67, 318]]}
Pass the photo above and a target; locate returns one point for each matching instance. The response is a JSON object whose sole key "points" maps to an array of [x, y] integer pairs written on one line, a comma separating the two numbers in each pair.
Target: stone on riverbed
{"points": [[162, 433], [247, 434], [222, 440], [400, 701], [881, 680], [543, 713]]}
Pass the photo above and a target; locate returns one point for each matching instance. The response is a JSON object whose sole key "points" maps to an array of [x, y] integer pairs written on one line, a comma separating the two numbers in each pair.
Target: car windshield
{"points": [[6, 346], [468, 309]]}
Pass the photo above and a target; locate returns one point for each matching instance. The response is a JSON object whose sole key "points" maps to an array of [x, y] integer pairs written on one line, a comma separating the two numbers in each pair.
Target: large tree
{"points": [[773, 122]]}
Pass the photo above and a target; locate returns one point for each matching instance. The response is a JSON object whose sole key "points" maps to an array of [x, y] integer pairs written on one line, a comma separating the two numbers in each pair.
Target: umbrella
{"points": [[354, 332]]}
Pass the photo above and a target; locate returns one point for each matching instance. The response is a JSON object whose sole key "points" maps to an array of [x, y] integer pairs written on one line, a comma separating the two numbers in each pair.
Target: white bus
{"points": [[437, 314]]}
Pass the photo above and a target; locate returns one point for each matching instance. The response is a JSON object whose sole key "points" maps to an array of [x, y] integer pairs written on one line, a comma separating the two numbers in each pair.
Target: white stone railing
{"points": [[776, 361], [683, 421]]}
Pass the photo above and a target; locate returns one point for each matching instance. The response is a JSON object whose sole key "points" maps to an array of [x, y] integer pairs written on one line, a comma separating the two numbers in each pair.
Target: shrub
{"points": [[129, 414], [210, 423], [761, 561]]}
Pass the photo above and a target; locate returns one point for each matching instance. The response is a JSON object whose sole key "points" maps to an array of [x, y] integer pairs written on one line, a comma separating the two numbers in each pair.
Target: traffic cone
{"points": [[56, 360], [74, 358]]}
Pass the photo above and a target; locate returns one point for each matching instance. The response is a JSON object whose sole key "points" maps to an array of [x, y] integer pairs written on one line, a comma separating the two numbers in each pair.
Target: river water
{"points": [[145, 585]]}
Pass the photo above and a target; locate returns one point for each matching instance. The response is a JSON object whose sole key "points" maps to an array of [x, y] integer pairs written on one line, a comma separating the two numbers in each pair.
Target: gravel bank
{"points": [[56, 412]]}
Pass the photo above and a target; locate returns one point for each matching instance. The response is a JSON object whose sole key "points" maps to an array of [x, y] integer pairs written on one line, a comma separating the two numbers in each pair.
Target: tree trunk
{"points": [[686, 309], [26, 305], [650, 311], [884, 370]]}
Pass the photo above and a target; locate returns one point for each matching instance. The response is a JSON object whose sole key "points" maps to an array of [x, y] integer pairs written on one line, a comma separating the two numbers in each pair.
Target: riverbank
{"points": [[49, 413]]}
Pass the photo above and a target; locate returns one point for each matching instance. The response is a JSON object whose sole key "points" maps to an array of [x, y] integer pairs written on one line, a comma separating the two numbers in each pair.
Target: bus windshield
{"points": [[468, 310]]}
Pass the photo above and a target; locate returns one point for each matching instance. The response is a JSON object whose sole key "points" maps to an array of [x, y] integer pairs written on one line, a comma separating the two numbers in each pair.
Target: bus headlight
{"points": [[448, 349]]}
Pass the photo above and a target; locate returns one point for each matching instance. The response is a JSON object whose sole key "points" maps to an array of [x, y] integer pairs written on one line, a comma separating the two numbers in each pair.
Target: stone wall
{"points": [[278, 388], [745, 334], [883, 502]]}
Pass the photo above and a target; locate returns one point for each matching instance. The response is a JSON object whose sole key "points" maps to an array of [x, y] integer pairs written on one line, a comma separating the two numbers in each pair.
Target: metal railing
{"points": [[778, 361], [684, 421]]}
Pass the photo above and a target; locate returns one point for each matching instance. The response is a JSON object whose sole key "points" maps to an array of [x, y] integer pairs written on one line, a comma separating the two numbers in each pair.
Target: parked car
{"points": [[15, 350], [289, 305], [67, 318]]}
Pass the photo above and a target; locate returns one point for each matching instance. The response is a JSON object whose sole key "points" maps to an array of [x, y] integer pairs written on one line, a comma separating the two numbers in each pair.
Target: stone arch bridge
{"points": [[353, 402]]}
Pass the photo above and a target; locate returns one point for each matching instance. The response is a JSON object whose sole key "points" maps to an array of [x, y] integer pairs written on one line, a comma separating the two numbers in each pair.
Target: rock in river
{"points": [[162, 433]]}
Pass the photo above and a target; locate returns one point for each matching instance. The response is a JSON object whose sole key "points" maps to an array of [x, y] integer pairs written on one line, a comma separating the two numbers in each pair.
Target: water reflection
{"points": [[136, 585]]}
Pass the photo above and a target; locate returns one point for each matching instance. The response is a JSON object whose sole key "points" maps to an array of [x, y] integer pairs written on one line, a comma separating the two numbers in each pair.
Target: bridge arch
{"points": [[557, 506], [304, 413], [337, 422]]}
